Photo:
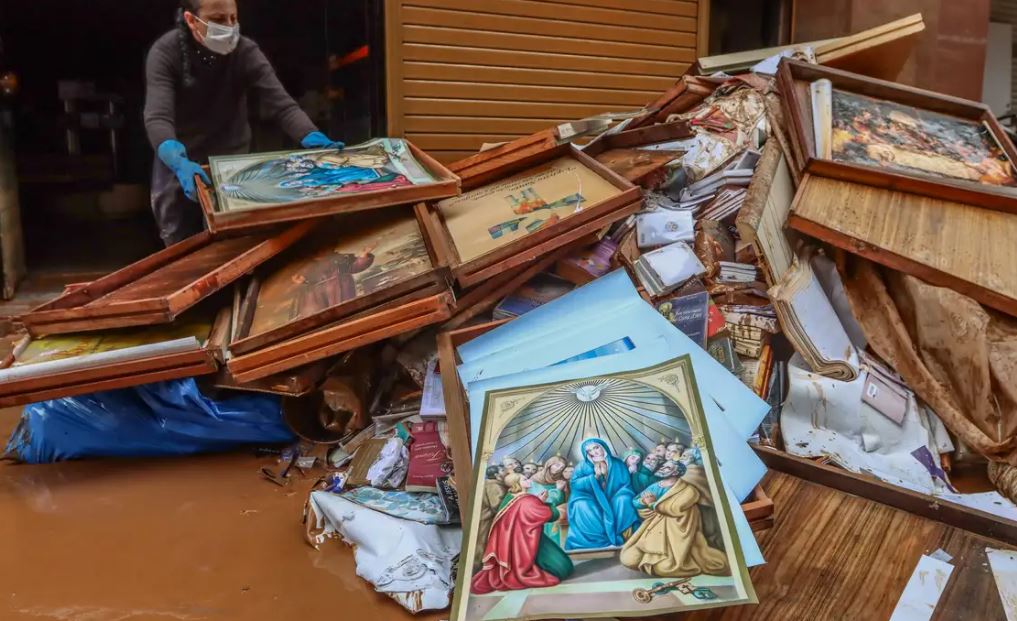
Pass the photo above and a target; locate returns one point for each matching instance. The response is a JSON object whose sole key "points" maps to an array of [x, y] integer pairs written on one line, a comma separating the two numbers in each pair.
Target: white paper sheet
{"points": [[921, 594], [1004, 571]]}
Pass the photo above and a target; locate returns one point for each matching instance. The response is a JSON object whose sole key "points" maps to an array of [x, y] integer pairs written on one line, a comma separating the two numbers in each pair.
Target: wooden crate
{"points": [[758, 508]]}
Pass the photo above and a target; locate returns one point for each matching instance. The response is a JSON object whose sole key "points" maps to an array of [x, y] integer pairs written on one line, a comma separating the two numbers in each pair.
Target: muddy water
{"points": [[168, 539]]}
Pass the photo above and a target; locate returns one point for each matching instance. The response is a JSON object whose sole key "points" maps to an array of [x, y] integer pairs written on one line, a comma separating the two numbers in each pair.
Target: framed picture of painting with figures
{"points": [[256, 189], [854, 128], [598, 497], [526, 208], [349, 268]]}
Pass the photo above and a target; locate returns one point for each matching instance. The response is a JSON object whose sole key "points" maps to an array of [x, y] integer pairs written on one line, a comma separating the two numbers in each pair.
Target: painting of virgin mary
{"points": [[600, 510]]}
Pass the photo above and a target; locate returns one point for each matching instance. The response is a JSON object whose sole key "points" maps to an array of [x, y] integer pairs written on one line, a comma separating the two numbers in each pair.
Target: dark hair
{"points": [[184, 36], [492, 472]]}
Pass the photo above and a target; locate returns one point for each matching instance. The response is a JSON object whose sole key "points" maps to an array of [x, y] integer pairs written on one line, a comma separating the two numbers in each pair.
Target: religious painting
{"points": [[260, 180], [342, 260], [599, 497], [142, 339], [907, 139], [489, 217]]}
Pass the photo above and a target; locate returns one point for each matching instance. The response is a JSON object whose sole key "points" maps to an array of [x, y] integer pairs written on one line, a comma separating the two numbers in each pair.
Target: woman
{"points": [[670, 542], [550, 481], [198, 77], [600, 508], [518, 555]]}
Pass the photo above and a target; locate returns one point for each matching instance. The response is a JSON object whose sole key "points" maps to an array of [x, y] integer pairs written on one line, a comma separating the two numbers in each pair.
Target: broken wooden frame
{"points": [[758, 508], [370, 326], [159, 287], [446, 185], [645, 168], [429, 283], [959, 516], [121, 368], [525, 249], [794, 79]]}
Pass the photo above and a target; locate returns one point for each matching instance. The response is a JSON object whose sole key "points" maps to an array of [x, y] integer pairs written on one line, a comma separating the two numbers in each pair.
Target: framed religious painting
{"points": [[66, 365], [871, 132], [526, 208], [266, 188], [158, 288], [585, 534]]}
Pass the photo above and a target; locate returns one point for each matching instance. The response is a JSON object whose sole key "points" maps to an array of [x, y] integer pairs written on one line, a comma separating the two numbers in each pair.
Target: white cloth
{"points": [[410, 562]]}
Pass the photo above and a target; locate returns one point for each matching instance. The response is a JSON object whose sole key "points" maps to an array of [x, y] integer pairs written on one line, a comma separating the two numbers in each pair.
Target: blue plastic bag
{"points": [[159, 419]]}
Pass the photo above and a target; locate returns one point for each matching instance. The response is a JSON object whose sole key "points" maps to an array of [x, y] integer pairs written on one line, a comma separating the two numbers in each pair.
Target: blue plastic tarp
{"points": [[159, 419]]}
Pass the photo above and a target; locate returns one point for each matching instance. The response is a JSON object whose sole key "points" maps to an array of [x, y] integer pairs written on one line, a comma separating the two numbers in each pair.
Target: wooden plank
{"points": [[449, 72], [452, 142], [340, 338], [680, 50], [515, 92], [472, 125], [959, 516], [467, 17], [702, 29], [662, 132], [640, 18], [660, 7], [647, 169], [478, 168], [161, 294], [948, 244], [477, 56], [394, 45], [832, 555]]}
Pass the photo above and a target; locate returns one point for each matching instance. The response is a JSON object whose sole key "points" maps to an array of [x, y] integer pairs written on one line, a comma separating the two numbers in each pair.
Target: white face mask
{"points": [[220, 39]]}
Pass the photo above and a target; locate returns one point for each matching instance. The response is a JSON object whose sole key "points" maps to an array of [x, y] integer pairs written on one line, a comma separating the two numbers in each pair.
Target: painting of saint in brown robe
{"points": [[328, 283]]}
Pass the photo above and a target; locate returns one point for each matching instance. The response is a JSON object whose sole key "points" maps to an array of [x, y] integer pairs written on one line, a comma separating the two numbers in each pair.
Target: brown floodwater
{"points": [[185, 539]]}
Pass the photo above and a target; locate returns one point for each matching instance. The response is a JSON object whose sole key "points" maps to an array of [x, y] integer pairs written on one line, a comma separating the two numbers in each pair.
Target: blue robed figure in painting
{"points": [[600, 507]]}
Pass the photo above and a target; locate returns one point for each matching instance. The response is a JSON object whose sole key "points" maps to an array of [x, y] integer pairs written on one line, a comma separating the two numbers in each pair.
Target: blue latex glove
{"points": [[174, 155], [318, 140]]}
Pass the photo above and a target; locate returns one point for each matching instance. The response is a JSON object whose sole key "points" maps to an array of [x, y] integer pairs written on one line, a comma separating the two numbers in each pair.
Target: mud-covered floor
{"points": [[168, 539]]}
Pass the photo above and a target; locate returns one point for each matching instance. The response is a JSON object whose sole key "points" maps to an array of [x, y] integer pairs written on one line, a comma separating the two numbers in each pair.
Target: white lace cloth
{"points": [[410, 562]]}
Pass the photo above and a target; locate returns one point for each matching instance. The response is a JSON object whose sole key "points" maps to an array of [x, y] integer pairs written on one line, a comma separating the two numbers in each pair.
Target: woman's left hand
{"points": [[318, 140]]}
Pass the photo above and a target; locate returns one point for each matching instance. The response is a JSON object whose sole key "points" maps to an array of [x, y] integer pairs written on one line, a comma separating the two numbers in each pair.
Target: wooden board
{"points": [[794, 79], [947, 244], [340, 337], [524, 249], [446, 185], [758, 507], [294, 383], [647, 169], [832, 555], [388, 226], [159, 287], [959, 516]]}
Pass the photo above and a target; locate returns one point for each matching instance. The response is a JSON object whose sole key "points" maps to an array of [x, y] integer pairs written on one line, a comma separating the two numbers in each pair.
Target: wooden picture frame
{"points": [[370, 326], [758, 507], [158, 288], [446, 185], [525, 249], [794, 79], [124, 370], [429, 283], [293, 383]]}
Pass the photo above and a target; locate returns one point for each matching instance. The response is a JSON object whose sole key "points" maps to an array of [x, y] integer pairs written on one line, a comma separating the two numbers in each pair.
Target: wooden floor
{"points": [[831, 555]]}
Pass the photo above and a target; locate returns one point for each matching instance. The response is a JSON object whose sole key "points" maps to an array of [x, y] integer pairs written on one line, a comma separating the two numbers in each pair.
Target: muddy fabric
{"points": [[958, 357]]}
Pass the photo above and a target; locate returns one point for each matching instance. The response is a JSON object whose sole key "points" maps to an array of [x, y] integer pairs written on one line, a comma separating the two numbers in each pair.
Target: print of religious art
{"points": [[887, 134], [489, 217], [286, 177], [342, 260], [599, 497]]}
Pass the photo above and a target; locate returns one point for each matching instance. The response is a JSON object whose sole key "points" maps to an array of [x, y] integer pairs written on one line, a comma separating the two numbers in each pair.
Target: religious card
{"points": [[599, 497]]}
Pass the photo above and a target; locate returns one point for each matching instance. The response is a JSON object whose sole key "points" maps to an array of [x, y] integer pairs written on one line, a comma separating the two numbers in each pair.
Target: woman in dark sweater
{"points": [[198, 76]]}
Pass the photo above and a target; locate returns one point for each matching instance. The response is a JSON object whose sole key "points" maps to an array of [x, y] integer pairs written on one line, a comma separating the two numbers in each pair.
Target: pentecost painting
{"points": [[599, 497], [489, 217], [260, 180], [890, 135], [344, 259]]}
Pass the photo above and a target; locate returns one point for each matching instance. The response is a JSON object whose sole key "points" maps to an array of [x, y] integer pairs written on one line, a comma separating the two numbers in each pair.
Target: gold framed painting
{"points": [[567, 520], [526, 208], [256, 189]]}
